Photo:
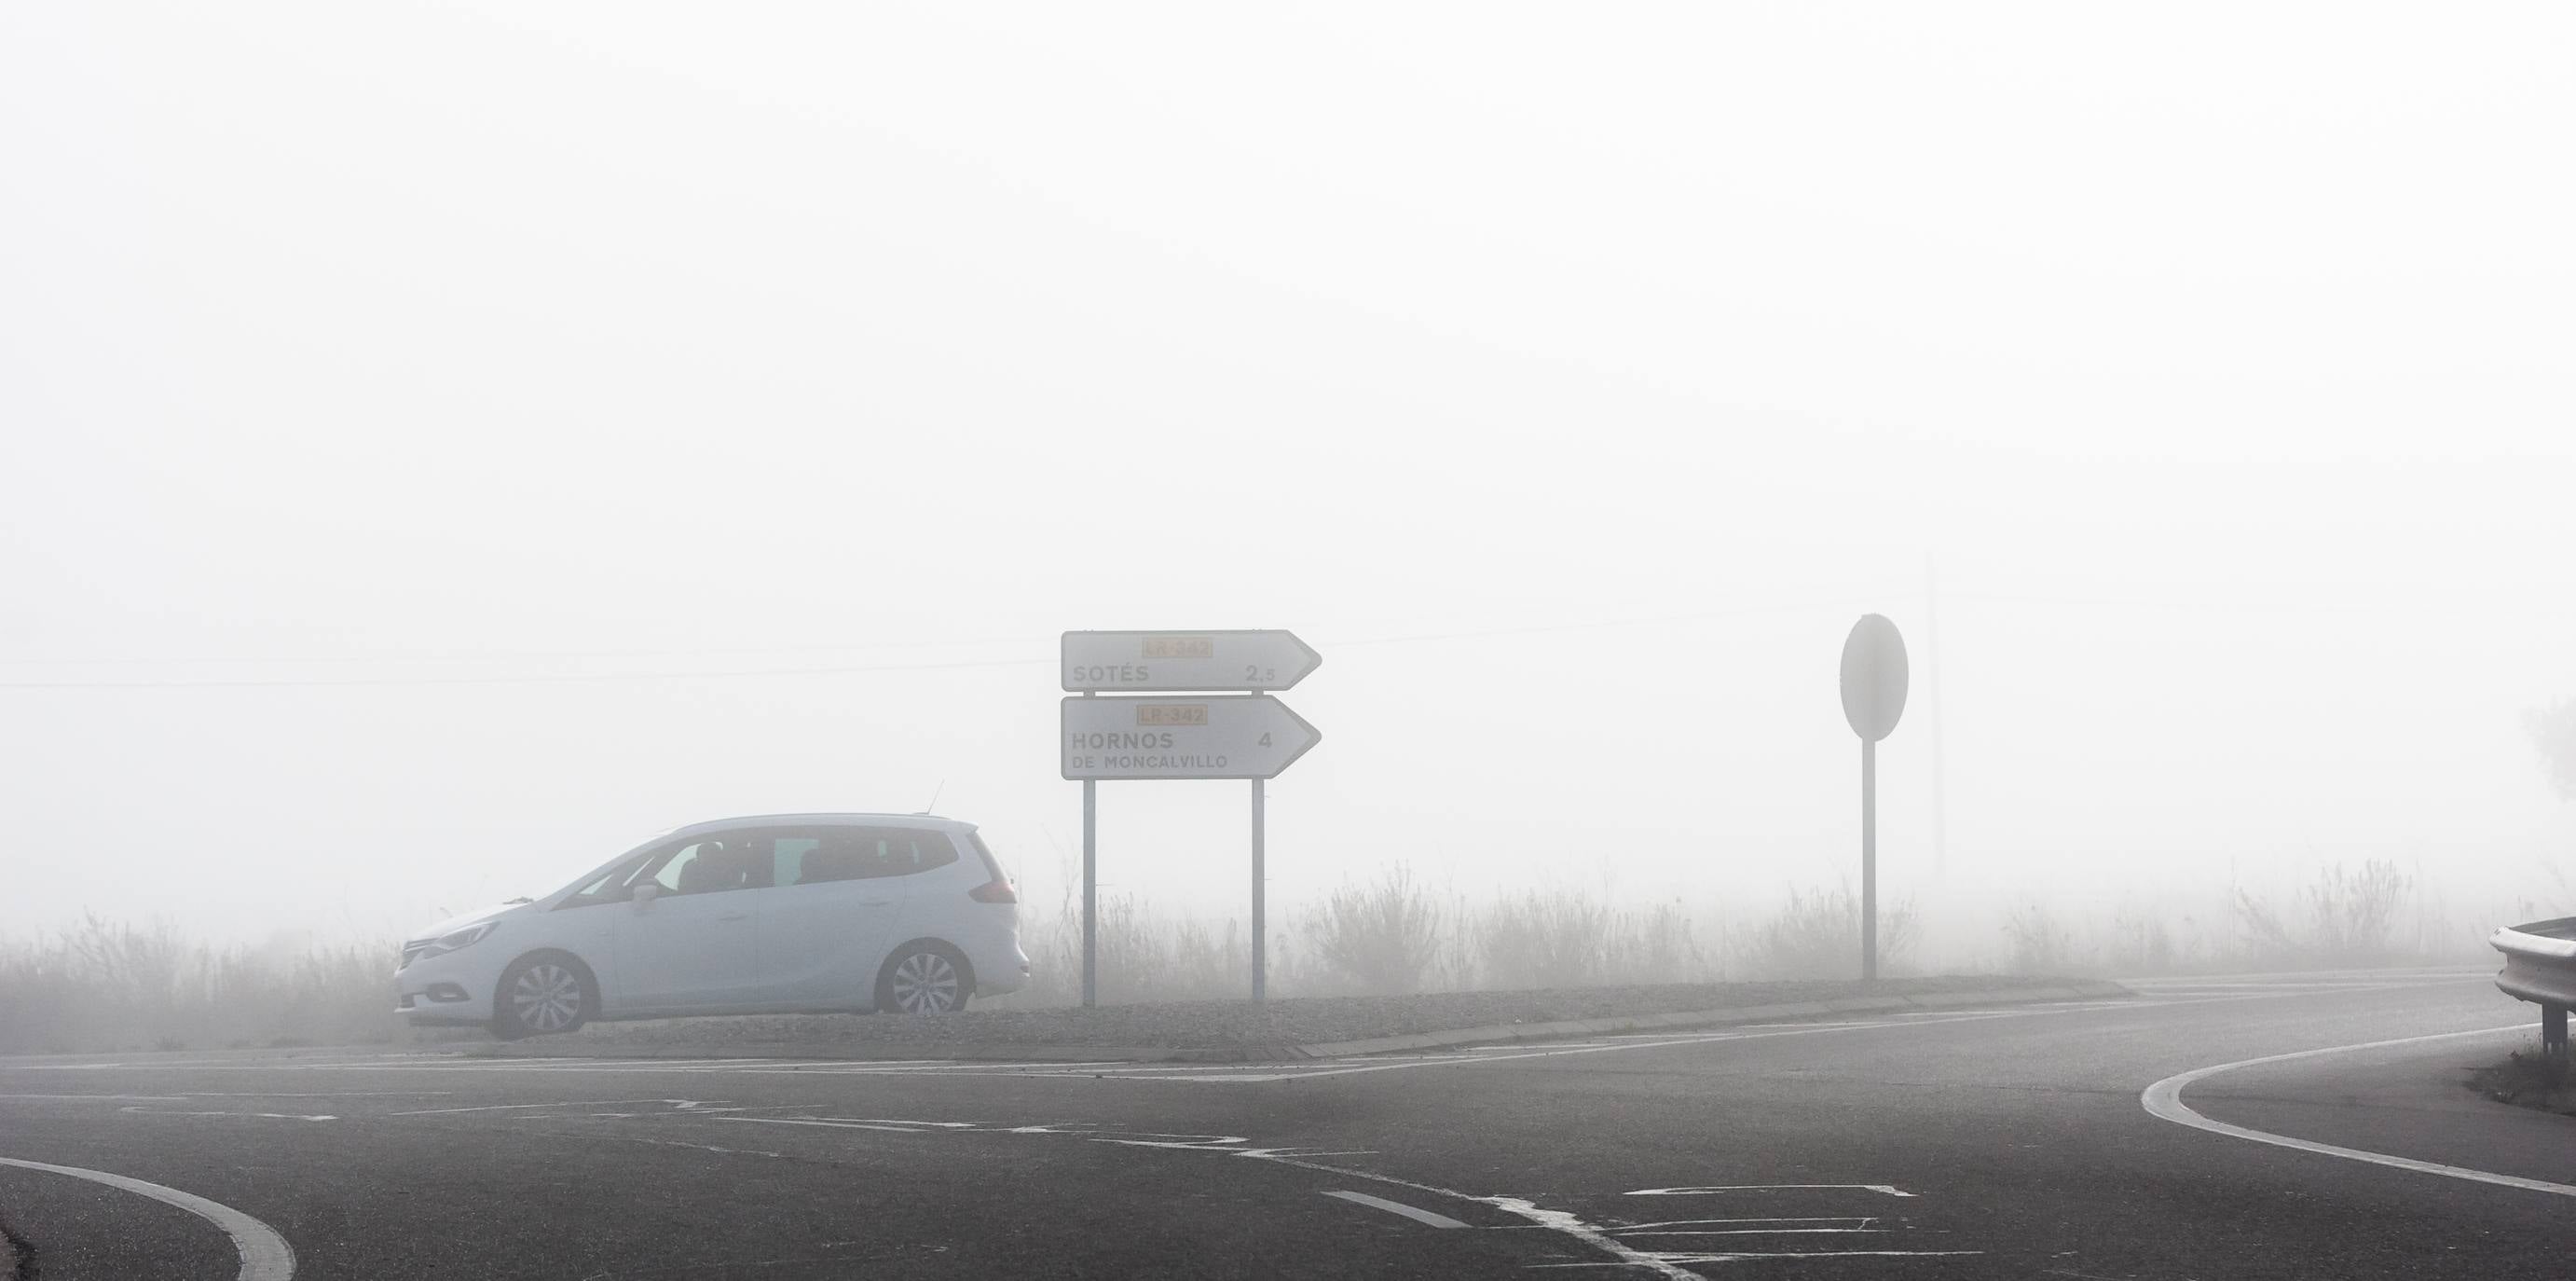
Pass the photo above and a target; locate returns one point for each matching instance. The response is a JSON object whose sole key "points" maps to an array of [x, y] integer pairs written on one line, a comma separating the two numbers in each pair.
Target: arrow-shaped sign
{"points": [[1136, 661], [1236, 736]]}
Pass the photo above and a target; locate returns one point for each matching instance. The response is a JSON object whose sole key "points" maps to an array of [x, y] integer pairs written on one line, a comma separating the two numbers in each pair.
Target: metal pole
{"points": [[1259, 935], [1940, 789], [1868, 860], [2553, 1032], [1090, 892]]}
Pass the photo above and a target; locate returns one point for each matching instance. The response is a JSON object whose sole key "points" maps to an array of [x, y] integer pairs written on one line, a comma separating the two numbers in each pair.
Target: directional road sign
{"points": [[1210, 736], [1137, 661]]}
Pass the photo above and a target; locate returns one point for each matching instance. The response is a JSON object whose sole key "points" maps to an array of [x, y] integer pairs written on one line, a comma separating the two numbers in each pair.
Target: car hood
{"points": [[459, 921]]}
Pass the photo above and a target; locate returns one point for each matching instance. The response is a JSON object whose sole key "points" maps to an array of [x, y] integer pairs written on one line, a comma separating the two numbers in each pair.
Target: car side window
{"points": [[708, 864], [843, 854], [788, 856], [716, 863], [931, 849]]}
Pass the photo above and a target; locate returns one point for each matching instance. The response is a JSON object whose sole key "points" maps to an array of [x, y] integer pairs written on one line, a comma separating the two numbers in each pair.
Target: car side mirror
{"points": [[643, 894]]}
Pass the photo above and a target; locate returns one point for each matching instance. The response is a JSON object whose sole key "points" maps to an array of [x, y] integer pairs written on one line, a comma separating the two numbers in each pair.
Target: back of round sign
{"points": [[1873, 677]]}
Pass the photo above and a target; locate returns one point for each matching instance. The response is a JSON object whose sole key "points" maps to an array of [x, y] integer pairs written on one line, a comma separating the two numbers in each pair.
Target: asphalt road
{"points": [[1996, 1143]]}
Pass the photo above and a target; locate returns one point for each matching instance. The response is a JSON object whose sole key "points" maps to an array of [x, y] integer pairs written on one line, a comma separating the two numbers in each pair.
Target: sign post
{"points": [[1232, 730], [1259, 951], [1873, 698]]}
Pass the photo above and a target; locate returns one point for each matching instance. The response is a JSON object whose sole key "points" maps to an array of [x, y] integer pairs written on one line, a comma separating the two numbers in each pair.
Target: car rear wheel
{"points": [[541, 994], [924, 978]]}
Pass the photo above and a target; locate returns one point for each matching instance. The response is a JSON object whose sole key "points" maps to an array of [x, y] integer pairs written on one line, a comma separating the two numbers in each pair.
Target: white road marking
{"points": [[1882, 1188], [2164, 1099], [1863, 1220], [267, 1116], [1398, 1207], [1707, 1038], [1554, 1220], [107, 1098], [517, 1107], [829, 1124], [1739, 1232], [1747, 1256], [265, 1256]]}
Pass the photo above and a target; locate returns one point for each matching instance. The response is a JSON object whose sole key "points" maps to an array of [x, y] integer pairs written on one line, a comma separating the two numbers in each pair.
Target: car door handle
{"points": [[732, 916], [874, 902]]}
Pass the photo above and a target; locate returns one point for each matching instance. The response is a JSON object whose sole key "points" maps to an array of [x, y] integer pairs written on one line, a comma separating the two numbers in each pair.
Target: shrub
{"points": [[1817, 936], [1655, 946], [2348, 919], [1536, 939], [2039, 944], [1384, 936]]}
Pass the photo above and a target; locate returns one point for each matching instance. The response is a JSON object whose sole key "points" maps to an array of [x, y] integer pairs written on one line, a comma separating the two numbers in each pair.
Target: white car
{"points": [[776, 914]]}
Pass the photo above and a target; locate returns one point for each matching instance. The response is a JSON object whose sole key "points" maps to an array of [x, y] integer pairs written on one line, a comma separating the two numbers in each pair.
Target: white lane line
{"points": [[516, 1107], [1553, 1052], [1863, 1220], [1886, 1189], [829, 1124], [265, 1256], [267, 1116], [1745, 1257], [108, 1098], [2164, 1099], [1398, 1207], [1742, 1232]]}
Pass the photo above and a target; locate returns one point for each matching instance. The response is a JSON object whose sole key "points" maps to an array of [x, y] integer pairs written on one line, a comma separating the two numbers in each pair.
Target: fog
{"points": [[442, 447]]}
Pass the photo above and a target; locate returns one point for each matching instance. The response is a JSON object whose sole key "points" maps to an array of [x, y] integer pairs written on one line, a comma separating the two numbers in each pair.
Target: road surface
{"points": [[2010, 1142]]}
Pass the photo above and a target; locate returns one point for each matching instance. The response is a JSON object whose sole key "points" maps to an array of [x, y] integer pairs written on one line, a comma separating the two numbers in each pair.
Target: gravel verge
{"points": [[2525, 1079], [1220, 1030]]}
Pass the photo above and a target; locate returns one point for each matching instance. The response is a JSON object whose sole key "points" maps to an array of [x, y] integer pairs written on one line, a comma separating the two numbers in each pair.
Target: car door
{"points": [[825, 921], [692, 941]]}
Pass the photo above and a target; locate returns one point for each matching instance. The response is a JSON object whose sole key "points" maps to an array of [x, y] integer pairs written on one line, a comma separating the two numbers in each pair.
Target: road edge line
{"points": [[2164, 1101], [265, 1256], [1505, 1033]]}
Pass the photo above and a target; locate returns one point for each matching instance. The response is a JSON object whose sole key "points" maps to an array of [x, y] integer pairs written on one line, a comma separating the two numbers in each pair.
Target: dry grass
{"points": [[101, 986]]}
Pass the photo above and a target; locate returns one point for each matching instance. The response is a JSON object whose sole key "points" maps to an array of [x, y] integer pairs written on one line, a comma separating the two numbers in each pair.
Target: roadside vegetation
{"points": [[102, 985]]}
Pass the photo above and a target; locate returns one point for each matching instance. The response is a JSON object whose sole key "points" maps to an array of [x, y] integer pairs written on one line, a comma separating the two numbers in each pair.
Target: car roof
{"points": [[825, 820]]}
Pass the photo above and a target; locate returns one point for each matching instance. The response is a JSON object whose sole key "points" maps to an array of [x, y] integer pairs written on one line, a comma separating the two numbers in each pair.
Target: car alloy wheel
{"points": [[926, 982], [546, 997]]}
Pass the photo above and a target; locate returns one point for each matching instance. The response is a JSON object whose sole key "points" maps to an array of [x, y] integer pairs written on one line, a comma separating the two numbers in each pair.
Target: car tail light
{"points": [[994, 891]]}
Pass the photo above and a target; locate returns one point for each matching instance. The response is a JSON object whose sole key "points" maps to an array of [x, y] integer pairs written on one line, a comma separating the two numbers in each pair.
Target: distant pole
{"points": [[1940, 790], [1868, 860], [1260, 802], [1090, 892], [1873, 681]]}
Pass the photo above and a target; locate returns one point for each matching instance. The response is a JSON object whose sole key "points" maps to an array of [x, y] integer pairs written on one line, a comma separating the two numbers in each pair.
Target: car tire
{"points": [[925, 978], [542, 994]]}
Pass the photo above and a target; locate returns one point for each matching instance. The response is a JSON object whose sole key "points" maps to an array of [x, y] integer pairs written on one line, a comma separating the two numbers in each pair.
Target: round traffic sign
{"points": [[1873, 677]]}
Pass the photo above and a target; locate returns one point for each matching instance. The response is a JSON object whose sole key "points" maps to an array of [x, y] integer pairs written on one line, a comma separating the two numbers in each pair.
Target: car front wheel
{"points": [[541, 994], [924, 978]]}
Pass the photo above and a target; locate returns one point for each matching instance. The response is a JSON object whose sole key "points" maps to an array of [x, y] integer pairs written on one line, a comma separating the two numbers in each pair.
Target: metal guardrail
{"points": [[2540, 967]]}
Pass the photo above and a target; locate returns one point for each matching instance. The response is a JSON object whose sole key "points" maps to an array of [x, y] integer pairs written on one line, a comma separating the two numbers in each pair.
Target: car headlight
{"points": [[470, 935]]}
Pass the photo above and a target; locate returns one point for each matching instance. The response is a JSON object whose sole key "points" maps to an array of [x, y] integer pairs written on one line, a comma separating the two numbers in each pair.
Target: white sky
{"points": [[2220, 360]]}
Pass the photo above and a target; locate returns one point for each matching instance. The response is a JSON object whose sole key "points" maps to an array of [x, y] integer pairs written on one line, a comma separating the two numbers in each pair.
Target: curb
{"points": [[1506, 1033], [1490, 1034]]}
